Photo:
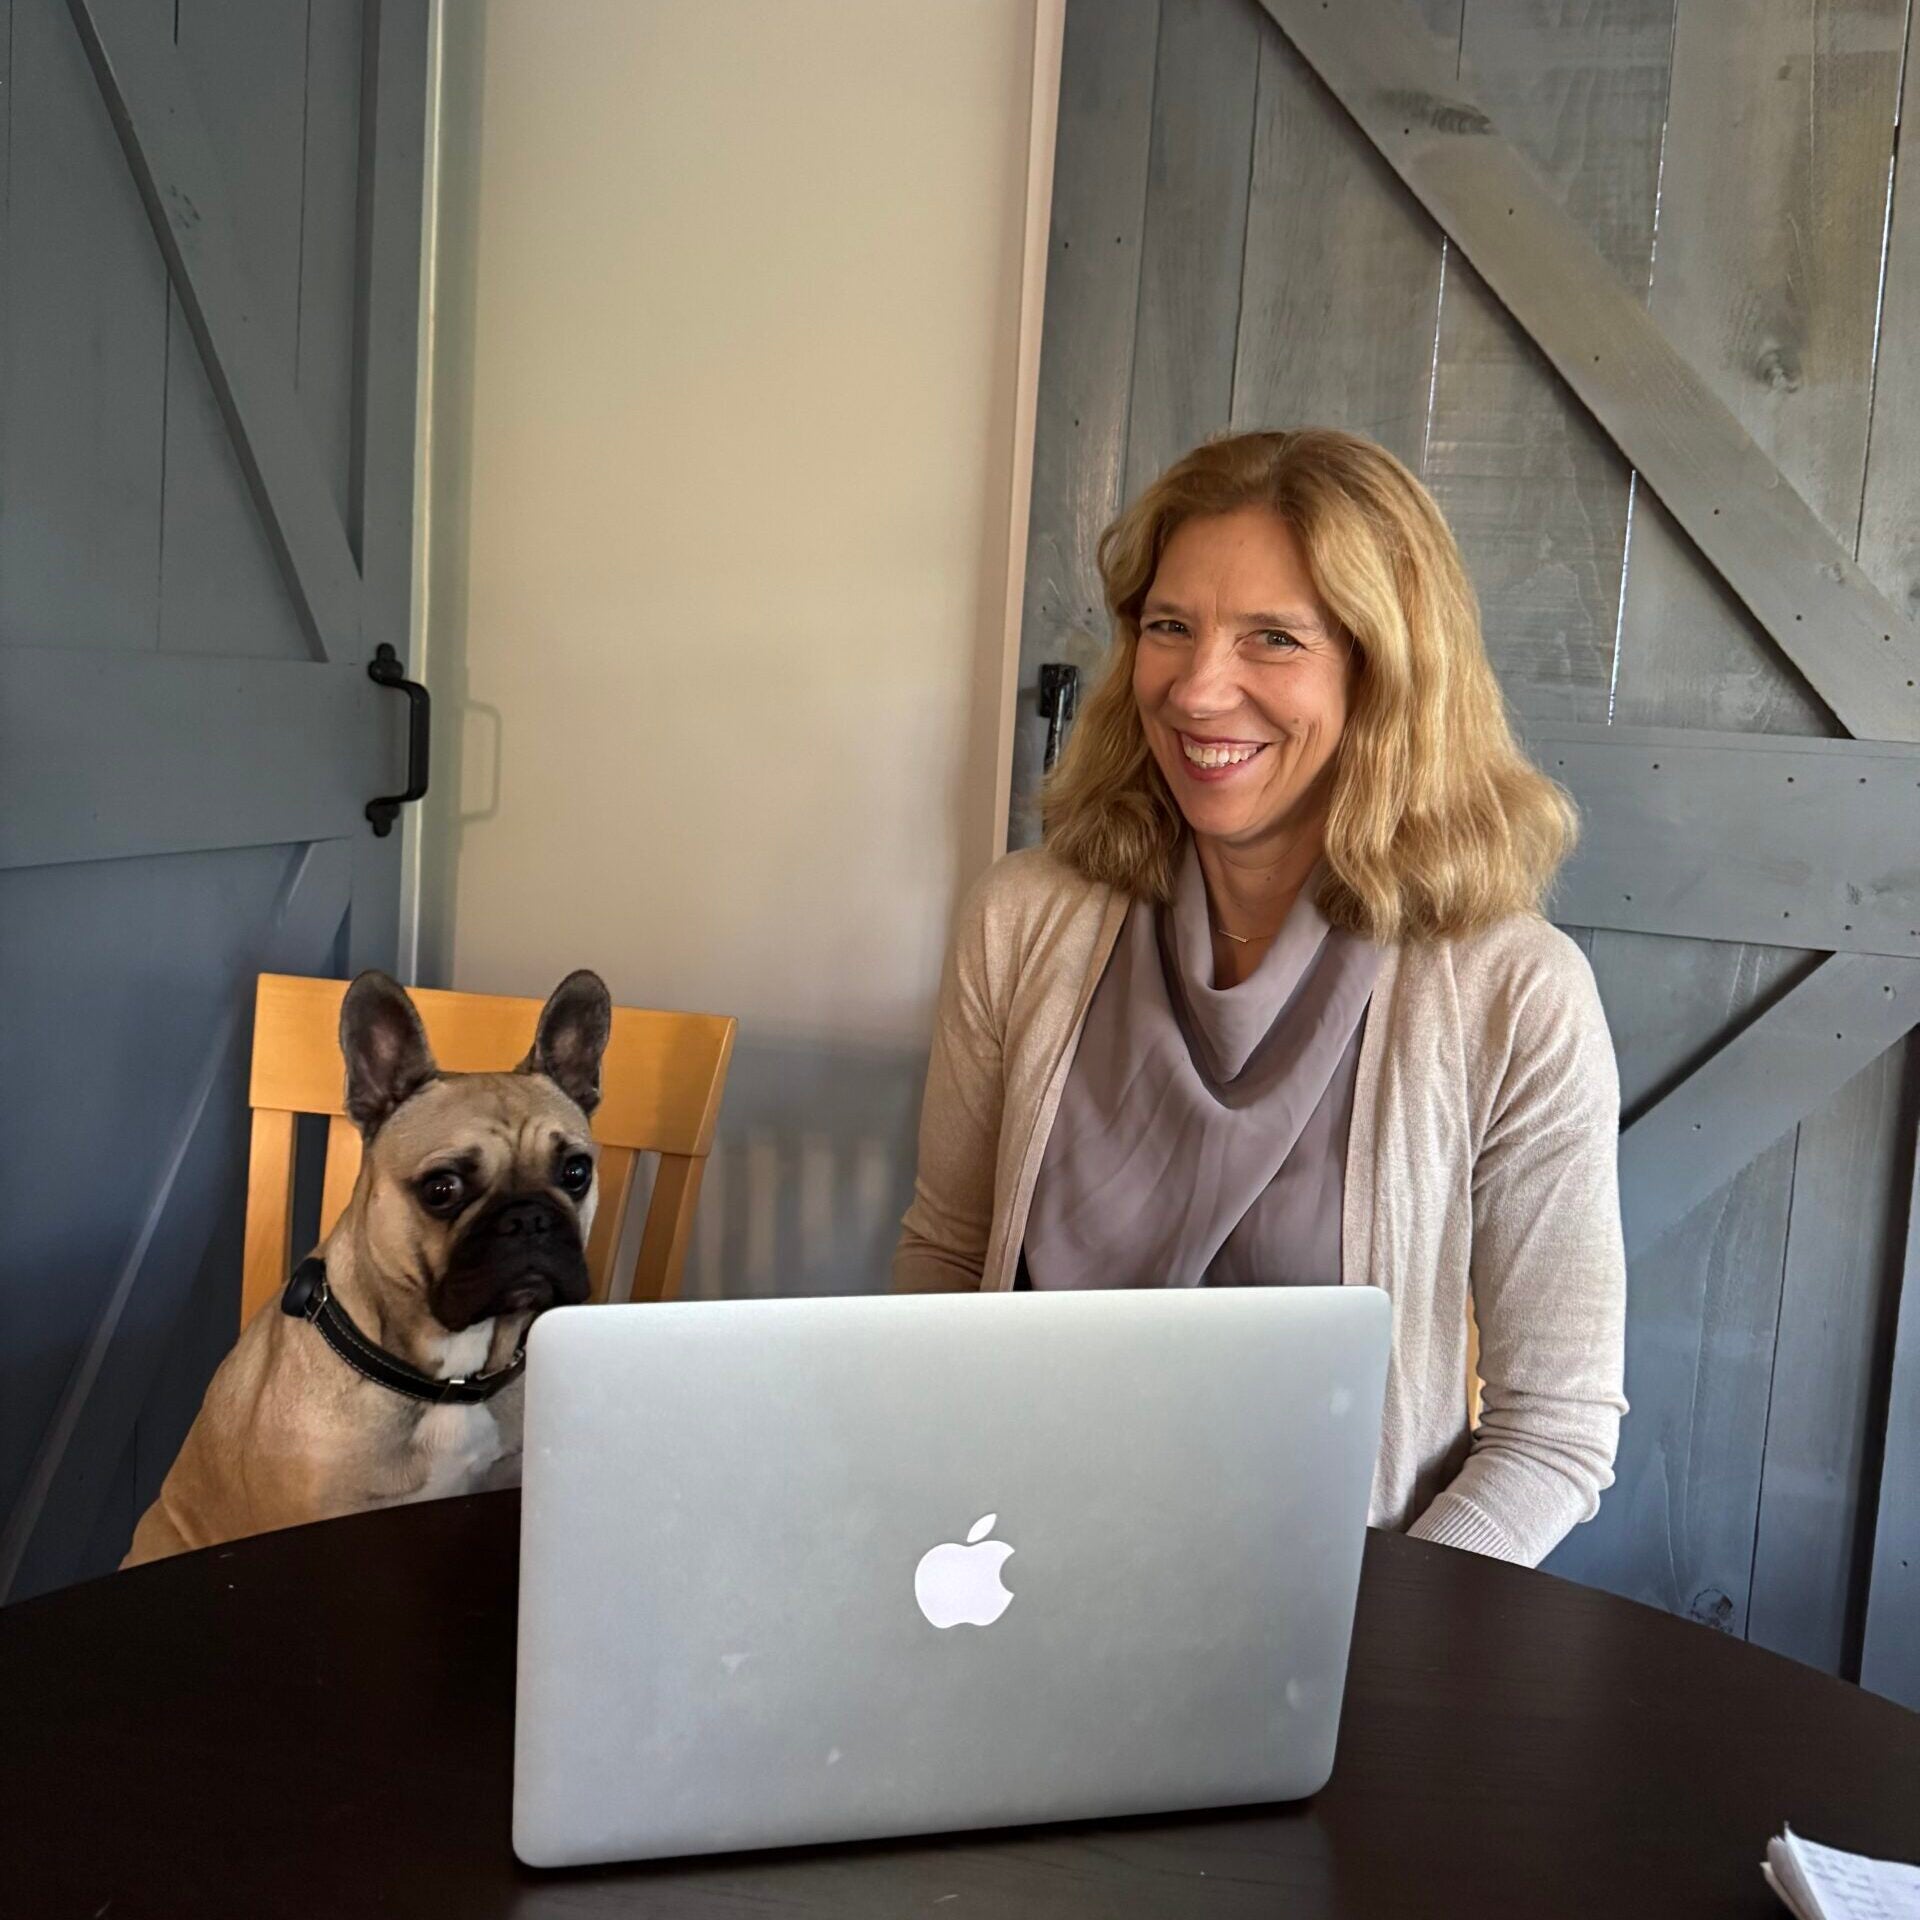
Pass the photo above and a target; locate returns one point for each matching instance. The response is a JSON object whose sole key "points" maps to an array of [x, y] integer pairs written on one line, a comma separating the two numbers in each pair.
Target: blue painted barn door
{"points": [[208, 332]]}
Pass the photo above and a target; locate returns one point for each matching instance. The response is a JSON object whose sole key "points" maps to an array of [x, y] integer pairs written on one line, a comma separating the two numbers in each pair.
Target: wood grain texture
{"points": [[1199, 168], [1086, 355], [179, 181], [104, 1394], [1890, 1649], [1766, 266], [1660, 407], [1846, 1242], [1724, 836], [221, 586], [330, 238], [1790, 1062], [107, 756], [1343, 270], [1536, 493], [267, 1256], [1890, 552], [85, 298]]}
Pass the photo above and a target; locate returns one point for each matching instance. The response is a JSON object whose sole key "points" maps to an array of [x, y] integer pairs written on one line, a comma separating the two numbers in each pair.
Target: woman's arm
{"points": [[1549, 1281], [943, 1240]]}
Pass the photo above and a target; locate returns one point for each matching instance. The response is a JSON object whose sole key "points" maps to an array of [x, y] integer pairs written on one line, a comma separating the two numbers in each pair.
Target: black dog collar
{"points": [[309, 1298]]}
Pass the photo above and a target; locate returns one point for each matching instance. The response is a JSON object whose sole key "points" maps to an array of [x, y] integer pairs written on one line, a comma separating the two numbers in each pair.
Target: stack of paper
{"points": [[1821, 1883]]}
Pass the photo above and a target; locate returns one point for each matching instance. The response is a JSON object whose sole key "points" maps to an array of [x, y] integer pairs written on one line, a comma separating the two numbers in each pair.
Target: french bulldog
{"points": [[389, 1372]]}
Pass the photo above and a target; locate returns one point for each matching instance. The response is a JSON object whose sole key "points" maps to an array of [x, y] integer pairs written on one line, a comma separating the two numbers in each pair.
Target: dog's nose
{"points": [[530, 1218]]}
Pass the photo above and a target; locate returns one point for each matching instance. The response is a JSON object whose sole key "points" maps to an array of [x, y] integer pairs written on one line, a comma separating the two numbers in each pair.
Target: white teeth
{"points": [[1216, 756]]}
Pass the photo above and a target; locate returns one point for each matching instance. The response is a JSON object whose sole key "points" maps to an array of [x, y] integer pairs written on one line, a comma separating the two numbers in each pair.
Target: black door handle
{"points": [[1059, 696], [385, 668]]}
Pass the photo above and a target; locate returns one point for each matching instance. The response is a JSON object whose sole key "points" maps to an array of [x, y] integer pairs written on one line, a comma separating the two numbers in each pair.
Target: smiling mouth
{"points": [[1214, 756]]}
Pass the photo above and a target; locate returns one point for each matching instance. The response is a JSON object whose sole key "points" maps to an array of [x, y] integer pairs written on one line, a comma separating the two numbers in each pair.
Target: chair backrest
{"points": [[661, 1081]]}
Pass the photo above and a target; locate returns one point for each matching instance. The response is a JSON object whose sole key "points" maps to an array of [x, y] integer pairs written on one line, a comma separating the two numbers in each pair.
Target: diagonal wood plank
{"points": [[1785, 1064], [1804, 587], [103, 1396], [106, 758], [1785, 840], [179, 181]]}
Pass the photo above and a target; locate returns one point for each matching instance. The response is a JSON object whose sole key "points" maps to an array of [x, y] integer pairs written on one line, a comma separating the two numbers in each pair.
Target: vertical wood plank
{"points": [[342, 1170], [330, 236], [1199, 167], [266, 1256], [221, 588], [1086, 354], [1536, 493], [1890, 554], [661, 1266], [609, 1223], [1343, 270], [1766, 274], [86, 304], [1845, 1246], [1890, 1651]]}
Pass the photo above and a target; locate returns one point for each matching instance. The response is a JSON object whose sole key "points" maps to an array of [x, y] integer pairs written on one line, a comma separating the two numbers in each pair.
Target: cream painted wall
{"points": [[727, 310]]}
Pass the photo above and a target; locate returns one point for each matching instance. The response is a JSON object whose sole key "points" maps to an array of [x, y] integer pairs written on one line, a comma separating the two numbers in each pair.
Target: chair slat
{"points": [[661, 1265], [343, 1169], [617, 1166], [267, 1248]]}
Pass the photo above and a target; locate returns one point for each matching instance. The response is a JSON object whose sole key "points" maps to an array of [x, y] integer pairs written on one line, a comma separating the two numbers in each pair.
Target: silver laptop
{"points": [[803, 1570]]}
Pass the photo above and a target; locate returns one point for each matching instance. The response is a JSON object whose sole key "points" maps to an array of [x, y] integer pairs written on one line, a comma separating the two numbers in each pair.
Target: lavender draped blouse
{"points": [[1201, 1135]]}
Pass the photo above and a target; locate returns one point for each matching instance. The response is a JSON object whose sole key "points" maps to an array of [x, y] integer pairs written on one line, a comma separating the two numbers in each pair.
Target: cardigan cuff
{"points": [[1454, 1521]]}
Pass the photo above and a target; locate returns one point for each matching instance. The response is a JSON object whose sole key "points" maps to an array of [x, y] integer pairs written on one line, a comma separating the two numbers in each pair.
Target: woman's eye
{"points": [[1282, 642], [576, 1173], [1167, 629], [440, 1191]]}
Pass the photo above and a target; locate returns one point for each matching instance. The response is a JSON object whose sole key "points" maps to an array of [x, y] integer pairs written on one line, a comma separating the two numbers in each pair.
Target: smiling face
{"points": [[1243, 680]]}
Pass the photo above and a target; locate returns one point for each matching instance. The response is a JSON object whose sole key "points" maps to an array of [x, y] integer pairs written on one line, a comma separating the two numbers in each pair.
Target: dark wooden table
{"points": [[319, 1723]]}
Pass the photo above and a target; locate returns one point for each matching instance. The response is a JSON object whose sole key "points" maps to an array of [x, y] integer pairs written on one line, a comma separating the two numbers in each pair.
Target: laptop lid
{"points": [[806, 1570]]}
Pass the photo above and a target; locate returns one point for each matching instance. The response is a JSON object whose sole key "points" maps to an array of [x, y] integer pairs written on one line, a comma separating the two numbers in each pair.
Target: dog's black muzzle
{"points": [[521, 1254]]}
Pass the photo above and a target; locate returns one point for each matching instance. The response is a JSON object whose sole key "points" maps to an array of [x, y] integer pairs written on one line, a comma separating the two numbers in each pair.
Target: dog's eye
{"points": [[440, 1192], [576, 1173]]}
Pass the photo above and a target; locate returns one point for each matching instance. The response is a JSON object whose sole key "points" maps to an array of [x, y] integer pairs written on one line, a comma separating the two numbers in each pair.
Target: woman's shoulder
{"points": [[1029, 886], [1521, 961]]}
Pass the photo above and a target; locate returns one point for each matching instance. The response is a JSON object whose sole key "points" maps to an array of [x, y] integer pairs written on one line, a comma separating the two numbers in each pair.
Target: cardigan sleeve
{"points": [[1548, 1274], [943, 1239]]}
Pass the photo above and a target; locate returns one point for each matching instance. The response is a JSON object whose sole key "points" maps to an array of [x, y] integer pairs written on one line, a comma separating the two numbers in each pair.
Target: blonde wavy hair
{"points": [[1439, 824]]}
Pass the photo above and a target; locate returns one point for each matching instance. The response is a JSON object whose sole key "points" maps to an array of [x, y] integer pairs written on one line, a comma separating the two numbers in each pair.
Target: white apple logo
{"points": [[956, 1584]]}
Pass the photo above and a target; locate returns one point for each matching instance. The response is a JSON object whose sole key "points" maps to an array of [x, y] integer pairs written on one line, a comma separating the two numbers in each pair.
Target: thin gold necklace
{"points": [[1243, 939]]}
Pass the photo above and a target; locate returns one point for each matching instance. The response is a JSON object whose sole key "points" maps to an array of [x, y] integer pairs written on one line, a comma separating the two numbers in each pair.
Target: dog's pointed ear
{"points": [[388, 1059], [571, 1037]]}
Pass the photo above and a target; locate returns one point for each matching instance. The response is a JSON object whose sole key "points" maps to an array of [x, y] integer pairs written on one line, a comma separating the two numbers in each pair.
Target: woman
{"points": [[1275, 1003]]}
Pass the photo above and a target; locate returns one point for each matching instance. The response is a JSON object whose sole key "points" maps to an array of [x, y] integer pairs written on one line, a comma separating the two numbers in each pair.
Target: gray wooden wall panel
{"points": [[221, 589], [1086, 352], [86, 301], [1845, 1243], [1766, 274], [1890, 553], [1535, 492], [1890, 1654], [329, 238], [1200, 162], [1342, 282]]}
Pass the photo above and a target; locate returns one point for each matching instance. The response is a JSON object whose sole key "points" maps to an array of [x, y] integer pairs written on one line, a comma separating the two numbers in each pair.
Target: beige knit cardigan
{"points": [[1482, 1160]]}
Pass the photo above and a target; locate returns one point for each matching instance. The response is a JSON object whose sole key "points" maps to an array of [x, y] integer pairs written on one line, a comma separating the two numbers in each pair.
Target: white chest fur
{"points": [[459, 1447]]}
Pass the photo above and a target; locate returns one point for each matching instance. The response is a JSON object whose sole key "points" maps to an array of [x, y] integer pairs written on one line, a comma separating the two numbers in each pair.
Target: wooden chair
{"points": [[661, 1080]]}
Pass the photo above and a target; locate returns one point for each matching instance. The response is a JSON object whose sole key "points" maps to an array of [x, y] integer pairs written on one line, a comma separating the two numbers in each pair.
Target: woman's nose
{"points": [[1208, 684]]}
